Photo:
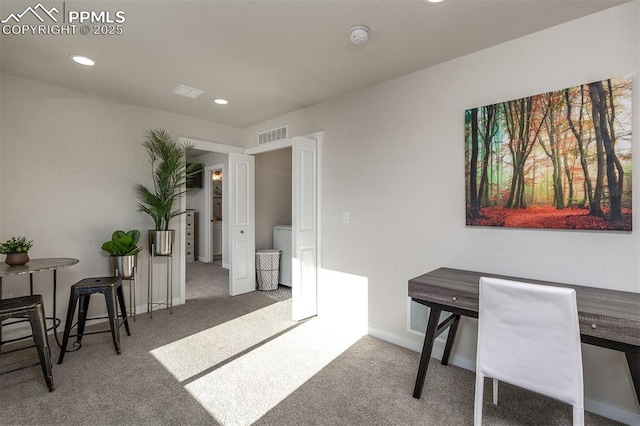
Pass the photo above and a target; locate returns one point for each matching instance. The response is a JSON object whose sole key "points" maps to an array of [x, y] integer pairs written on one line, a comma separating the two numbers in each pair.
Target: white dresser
{"points": [[190, 239]]}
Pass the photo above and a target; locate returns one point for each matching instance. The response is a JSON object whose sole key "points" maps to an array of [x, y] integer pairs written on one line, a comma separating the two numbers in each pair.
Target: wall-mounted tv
{"points": [[196, 180]]}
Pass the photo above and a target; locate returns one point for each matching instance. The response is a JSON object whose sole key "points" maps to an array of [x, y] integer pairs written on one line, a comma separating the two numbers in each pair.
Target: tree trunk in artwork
{"points": [[553, 151], [489, 131], [593, 194], [606, 137], [523, 121], [569, 175], [473, 172]]}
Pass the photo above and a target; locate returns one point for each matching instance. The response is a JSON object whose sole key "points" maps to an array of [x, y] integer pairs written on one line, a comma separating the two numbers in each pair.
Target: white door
{"points": [[305, 228], [242, 274]]}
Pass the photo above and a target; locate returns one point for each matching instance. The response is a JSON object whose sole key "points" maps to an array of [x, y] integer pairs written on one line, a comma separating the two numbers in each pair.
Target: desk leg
{"points": [[634, 366], [429, 337], [450, 339]]}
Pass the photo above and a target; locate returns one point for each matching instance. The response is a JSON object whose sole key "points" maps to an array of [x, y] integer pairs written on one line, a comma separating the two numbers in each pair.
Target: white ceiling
{"points": [[268, 57]]}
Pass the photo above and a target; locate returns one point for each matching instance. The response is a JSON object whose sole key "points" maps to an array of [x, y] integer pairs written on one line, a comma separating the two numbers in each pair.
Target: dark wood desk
{"points": [[37, 265], [608, 318]]}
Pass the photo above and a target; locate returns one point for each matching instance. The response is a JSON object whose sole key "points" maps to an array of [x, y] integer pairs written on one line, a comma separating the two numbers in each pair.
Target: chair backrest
{"points": [[529, 336]]}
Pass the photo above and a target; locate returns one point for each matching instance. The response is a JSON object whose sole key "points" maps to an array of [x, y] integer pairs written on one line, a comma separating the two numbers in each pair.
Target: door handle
{"points": [[242, 232]]}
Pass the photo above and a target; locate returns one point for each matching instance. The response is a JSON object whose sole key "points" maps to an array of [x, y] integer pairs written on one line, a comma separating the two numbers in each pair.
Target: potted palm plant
{"points": [[123, 250], [170, 171], [16, 249]]}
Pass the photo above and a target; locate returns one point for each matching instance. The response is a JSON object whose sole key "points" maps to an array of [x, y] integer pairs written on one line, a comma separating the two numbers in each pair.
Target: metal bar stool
{"points": [[81, 291], [32, 308]]}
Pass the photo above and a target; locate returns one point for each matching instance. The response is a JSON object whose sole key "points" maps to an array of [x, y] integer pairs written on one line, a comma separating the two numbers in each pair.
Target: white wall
{"points": [[273, 194], [68, 166], [393, 155]]}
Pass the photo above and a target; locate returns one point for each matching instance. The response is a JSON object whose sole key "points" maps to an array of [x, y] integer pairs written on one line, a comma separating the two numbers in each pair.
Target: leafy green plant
{"points": [[16, 245], [170, 171], [123, 243]]}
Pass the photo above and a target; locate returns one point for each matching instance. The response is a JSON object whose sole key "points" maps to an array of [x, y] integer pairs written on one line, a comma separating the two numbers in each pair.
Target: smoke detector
{"points": [[359, 34]]}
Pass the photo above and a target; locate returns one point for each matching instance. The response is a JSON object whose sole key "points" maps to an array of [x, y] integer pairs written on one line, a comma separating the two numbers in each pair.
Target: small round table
{"points": [[37, 265]]}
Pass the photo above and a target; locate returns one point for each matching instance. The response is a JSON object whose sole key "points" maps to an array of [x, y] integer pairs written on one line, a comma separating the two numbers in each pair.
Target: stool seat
{"points": [[96, 284], [19, 305], [32, 307], [81, 292]]}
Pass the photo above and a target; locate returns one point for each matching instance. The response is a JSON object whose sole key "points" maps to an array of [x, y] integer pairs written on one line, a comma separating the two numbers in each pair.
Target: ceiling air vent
{"points": [[187, 91], [273, 135]]}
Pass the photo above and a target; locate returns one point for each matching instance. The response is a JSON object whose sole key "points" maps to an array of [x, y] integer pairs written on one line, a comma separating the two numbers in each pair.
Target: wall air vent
{"points": [[273, 135]]}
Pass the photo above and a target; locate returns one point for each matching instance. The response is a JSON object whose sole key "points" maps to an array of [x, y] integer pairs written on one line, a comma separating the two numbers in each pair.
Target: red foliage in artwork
{"points": [[549, 217]]}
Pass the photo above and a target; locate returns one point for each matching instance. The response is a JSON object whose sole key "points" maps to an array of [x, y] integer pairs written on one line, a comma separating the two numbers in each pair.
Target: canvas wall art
{"points": [[557, 160]]}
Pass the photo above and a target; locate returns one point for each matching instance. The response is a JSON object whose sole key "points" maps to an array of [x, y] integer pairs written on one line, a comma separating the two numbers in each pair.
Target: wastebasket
{"points": [[268, 268]]}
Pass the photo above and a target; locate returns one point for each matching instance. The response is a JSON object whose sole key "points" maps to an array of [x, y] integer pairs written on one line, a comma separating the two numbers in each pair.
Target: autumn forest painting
{"points": [[557, 160]]}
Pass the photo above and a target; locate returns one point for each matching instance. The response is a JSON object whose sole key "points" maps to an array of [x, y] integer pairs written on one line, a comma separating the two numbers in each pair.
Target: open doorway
{"points": [[207, 275], [273, 206], [215, 212], [273, 199], [306, 182]]}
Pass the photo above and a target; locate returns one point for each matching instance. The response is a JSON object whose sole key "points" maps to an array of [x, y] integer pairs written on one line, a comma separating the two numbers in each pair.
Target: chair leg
{"points": [[39, 331], [578, 416], [495, 391], [477, 407], [73, 299], [110, 297], [123, 309], [82, 315]]}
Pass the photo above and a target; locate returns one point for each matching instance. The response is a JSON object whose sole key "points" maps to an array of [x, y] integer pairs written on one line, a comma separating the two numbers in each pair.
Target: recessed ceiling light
{"points": [[83, 60], [187, 91], [221, 101], [432, 1]]}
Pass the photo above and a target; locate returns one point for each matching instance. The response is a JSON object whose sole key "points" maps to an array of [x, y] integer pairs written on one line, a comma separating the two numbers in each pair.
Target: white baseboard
{"points": [[437, 352], [591, 405], [203, 259], [611, 412], [396, 340]]}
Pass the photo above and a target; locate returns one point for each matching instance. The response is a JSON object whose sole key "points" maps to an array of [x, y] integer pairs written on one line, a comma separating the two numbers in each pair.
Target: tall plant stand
{"points": [[169, 302], [132, 293], [126, 267]]}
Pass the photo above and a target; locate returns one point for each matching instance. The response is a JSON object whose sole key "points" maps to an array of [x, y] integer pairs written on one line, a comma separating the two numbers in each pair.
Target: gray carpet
{"points": [[281, 294], [211, 280], [370, 383], [206, 280]]}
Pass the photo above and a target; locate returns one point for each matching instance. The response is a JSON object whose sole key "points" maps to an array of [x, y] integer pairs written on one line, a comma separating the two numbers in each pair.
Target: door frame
{"points": [[182, 267], [271, 146]]}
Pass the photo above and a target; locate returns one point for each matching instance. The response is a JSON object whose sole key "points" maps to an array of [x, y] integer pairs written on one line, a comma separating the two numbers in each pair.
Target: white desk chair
{"points": [[529, 336]]}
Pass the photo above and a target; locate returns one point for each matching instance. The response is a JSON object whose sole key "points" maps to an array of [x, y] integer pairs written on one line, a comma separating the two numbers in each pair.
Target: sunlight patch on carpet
{"points": [[242, 391], [190, 356]]}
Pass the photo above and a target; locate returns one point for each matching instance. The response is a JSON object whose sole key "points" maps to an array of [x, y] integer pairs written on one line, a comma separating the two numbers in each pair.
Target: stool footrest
{"points": [[111, 288]]}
